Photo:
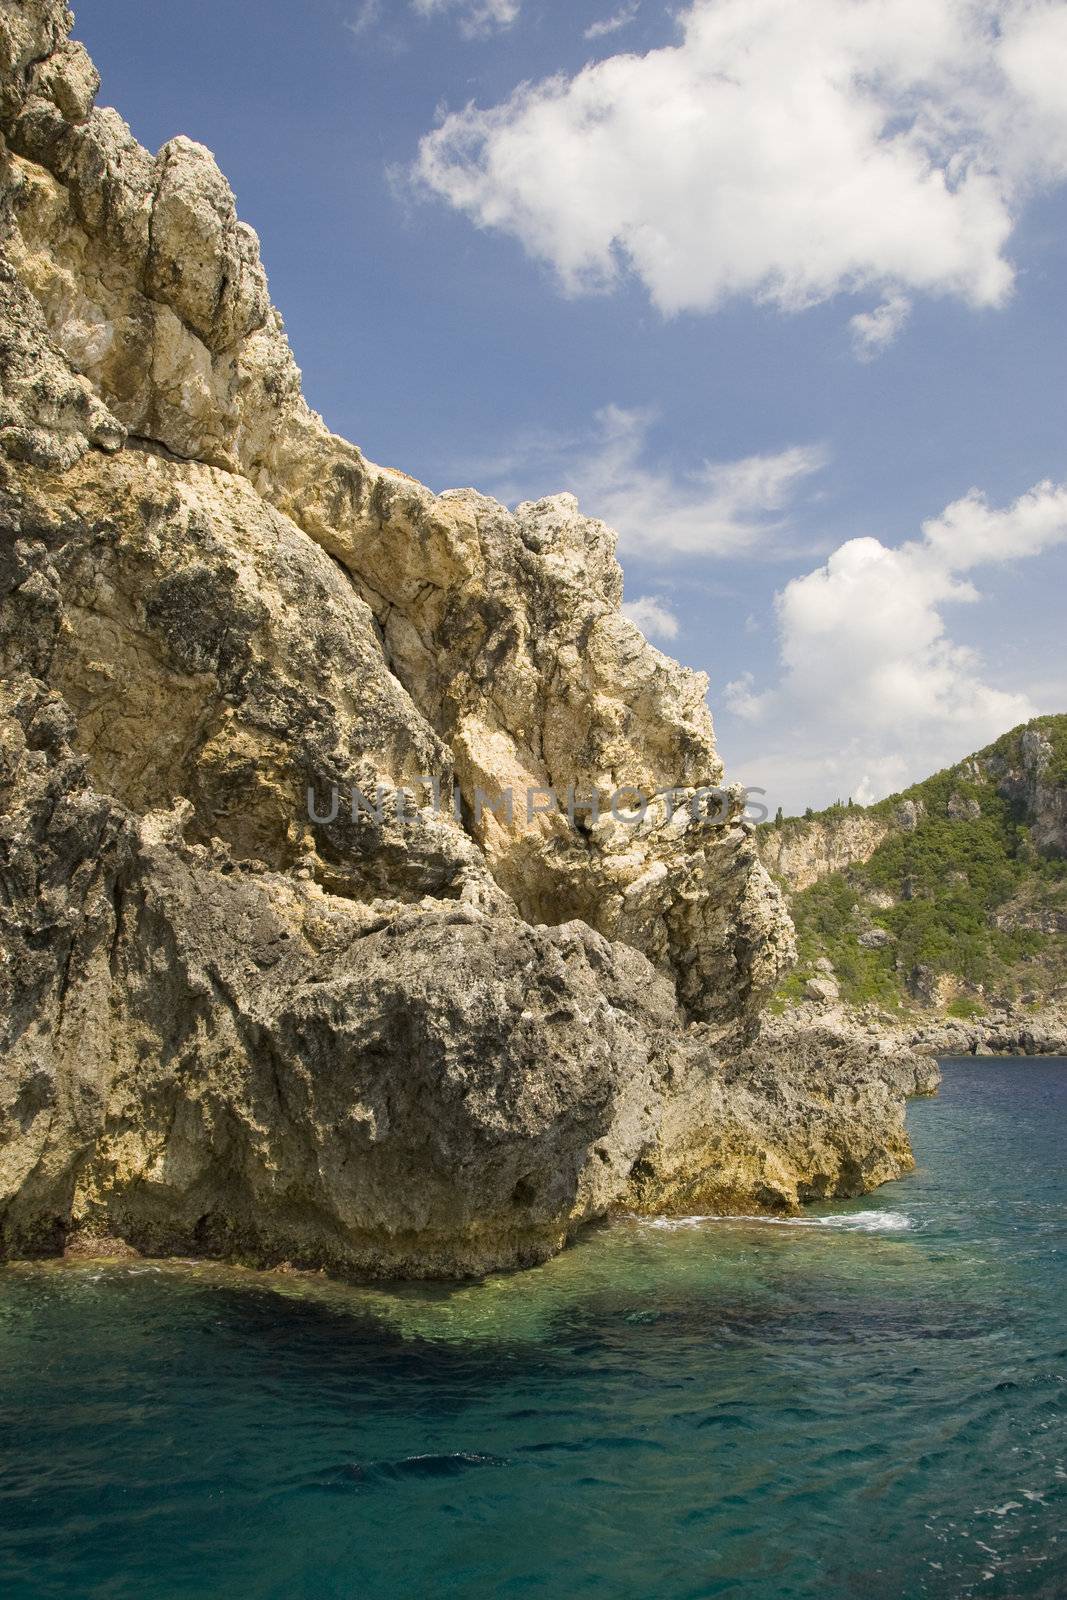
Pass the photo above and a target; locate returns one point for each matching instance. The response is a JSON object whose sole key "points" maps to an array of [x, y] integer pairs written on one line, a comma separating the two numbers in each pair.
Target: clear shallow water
{"points": [[865, 1402]]}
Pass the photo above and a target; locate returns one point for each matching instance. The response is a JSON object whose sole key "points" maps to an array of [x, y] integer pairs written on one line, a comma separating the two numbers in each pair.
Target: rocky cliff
{"points": [[945, 908], [322, 938], [800, 851]]}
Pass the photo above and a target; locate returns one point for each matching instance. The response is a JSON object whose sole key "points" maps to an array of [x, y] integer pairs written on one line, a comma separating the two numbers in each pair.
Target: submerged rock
{"points": [[247, 1011]]}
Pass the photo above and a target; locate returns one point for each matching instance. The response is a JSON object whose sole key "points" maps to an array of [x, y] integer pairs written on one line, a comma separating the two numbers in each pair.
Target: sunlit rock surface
{"points": [[422, 1039]]}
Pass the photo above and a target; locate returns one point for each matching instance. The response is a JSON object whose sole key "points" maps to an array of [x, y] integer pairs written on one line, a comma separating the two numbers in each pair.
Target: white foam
{"points": [[851, 1222]]}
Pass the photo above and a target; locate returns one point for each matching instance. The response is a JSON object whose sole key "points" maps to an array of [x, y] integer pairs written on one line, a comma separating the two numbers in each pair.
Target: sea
{"points": [[862, 1403]]}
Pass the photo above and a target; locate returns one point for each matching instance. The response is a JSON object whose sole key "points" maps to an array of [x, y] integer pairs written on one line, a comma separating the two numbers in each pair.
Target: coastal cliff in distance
{"points": [[939, 914], [403, 1038]]}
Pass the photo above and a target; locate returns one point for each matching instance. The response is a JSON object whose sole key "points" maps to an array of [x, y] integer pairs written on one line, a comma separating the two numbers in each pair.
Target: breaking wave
{"points": [[851, 1222]]}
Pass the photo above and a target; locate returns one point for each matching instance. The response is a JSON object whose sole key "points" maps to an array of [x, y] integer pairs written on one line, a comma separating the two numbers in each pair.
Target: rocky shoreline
{"points": [[1012, 1031], [1007, 1030]]}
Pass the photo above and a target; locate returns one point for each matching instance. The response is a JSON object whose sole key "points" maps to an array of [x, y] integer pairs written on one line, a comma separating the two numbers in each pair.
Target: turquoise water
{"points": [[868, 1404]]}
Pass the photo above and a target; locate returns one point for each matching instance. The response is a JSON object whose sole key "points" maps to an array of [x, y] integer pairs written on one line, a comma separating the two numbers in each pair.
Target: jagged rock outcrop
{"points": [[404, 1039], [504, 628], [725, 1145]]}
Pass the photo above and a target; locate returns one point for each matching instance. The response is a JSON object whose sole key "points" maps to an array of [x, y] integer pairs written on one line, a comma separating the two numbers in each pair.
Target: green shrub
{"points": [[966, 1007]]}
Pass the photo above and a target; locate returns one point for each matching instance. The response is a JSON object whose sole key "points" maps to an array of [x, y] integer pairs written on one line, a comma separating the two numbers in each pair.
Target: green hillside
{"points": [[964, 901]]}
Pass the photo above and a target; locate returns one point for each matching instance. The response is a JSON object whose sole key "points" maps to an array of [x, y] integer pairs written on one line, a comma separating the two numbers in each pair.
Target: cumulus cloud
{"points": [[780, 151], [612, 24], [869, 671], [653, 616], [720, 508], [476, 18]]}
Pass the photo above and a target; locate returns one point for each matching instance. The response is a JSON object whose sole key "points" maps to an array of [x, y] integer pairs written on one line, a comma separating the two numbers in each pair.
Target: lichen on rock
{"points": [[415, 1040]]}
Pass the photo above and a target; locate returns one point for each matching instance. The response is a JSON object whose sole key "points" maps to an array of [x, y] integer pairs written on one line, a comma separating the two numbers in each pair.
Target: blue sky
{"points": [[639, 280]]}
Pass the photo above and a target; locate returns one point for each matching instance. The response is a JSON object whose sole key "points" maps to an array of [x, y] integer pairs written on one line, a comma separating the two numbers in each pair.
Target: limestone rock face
{"points": [[244, 1011], [504, 627], [1033, 788], [801, 852], [235, 1061]]}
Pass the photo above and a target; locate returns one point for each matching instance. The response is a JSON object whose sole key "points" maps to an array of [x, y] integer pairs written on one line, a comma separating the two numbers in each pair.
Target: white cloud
{"points": [[739, 696], [653, 616], [780, 151], [969, 533], [367, 14], [718, 509], [873, 331], [612, 24], [874, 693], [476, 17]]}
